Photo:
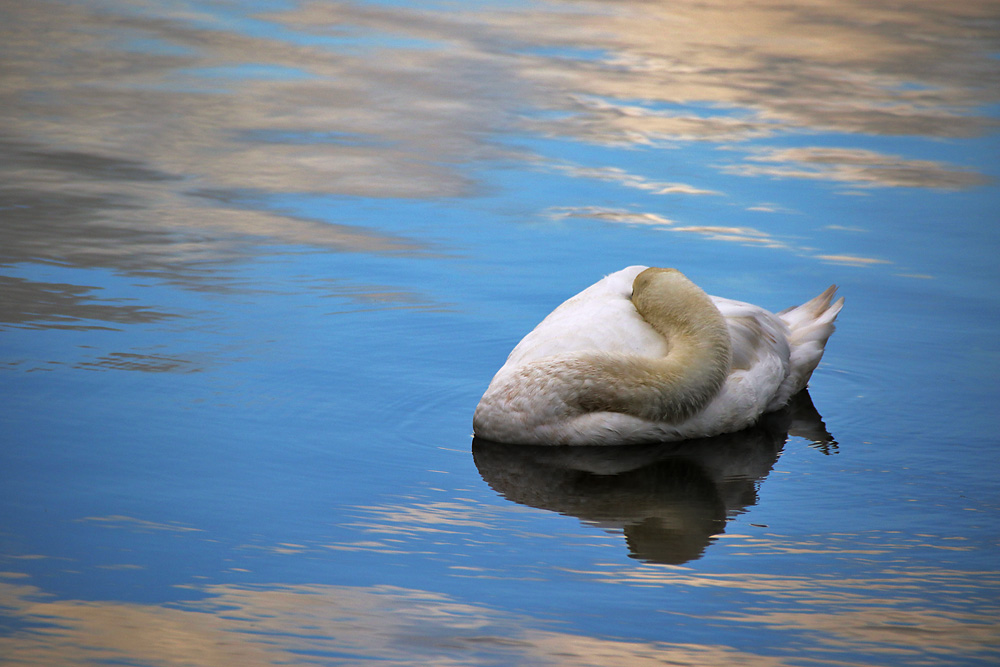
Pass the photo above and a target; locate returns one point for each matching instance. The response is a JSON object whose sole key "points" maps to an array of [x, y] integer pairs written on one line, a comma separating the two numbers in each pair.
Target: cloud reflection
{"points": [[862, 168], [135, 140], [895, 614], [625, 179], [742, 235], [117, 521], [669, 500], [106, 140], [885, 616], [313, 624], [147, 140], [32, 304]]}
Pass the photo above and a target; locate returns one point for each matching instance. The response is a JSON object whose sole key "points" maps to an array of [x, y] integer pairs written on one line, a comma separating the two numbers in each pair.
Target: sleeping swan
{"points": [[646, 355]]}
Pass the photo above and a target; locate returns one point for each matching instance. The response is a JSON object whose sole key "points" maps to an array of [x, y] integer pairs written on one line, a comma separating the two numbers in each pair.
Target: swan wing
{"points": [[757, 335], [760, 364]]}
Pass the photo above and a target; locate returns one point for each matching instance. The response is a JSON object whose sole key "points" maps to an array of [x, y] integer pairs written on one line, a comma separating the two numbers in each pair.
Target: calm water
{"points": [[259, 260]]}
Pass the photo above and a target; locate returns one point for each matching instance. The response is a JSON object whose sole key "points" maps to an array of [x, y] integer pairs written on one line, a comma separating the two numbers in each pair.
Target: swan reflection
{"points": [[670, 500]]}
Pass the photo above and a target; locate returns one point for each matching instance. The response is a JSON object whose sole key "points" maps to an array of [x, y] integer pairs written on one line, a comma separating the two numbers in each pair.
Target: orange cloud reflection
{"points": [[261, 626]]}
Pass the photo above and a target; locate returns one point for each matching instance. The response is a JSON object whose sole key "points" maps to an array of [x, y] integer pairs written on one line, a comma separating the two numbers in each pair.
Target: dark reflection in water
{"points": [[671, 499], [41, 305], [91, 210]]}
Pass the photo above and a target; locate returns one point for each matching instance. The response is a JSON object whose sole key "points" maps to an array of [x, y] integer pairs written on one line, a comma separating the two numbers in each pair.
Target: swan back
{"points": [[601, 318]]}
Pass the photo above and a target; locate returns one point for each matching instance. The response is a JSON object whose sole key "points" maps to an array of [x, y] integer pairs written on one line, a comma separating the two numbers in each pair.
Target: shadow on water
{"points": [[669, 499]]}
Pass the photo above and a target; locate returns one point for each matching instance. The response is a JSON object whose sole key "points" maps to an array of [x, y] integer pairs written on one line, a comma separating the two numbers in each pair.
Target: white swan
{"points": [[644, 355]]}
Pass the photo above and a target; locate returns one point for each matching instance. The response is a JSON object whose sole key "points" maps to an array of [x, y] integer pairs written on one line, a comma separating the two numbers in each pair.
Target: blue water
{"points": [[258, 262]]}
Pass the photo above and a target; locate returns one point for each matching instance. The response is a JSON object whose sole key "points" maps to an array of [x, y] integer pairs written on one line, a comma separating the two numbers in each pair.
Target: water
{"points": [[260, 260]]}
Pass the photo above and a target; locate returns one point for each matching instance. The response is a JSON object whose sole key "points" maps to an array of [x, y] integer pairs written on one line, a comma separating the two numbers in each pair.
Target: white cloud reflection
{"points": [[893, 612], [314, 624], [852, 260], [391, 102], [118, 521], [261, 625], [741, 235], [625, 179], [613, 215], [147, 138], [860, 168]]}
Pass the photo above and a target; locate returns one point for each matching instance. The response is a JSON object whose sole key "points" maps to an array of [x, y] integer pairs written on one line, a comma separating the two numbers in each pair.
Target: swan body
{"points": [[645, 355]]}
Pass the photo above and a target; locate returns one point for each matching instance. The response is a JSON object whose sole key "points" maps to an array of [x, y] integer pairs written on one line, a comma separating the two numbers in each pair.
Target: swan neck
{"points": [[699, 348]]}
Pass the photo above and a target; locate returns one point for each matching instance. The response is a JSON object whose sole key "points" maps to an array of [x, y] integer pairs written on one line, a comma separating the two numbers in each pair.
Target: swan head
{"points": [[662, 278], [668, 299]]}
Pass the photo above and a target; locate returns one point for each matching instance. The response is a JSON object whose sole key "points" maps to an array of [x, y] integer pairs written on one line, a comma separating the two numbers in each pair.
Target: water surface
{"points": [[259, 260]]}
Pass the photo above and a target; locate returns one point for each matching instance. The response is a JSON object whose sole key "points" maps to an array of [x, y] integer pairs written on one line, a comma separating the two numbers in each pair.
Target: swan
{"points": [[646, 355]]}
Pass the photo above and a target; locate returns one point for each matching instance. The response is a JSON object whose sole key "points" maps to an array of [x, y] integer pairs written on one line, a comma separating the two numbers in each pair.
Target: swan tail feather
{"points": [[810, 327], [821, 310]]}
